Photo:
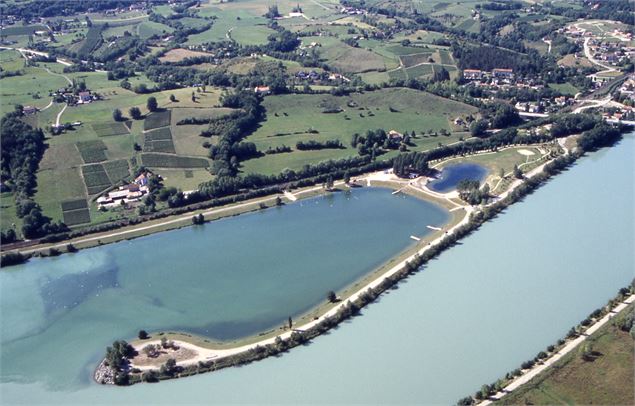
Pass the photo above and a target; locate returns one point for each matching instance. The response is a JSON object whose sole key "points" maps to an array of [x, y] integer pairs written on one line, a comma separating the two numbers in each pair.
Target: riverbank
{"points": [[542, 362], [208, 359]]}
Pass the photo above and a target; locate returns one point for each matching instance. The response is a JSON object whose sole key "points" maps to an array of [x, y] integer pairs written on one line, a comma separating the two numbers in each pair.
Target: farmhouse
{"points": [[503, 73], [472, 74], [125, 194], [262, 89], [29, 110], [395, 135], [84, 97]]}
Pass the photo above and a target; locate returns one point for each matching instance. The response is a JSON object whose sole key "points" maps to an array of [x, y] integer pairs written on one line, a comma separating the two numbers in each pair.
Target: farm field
{"points": [[154, 160], [159, 140], [55, 186]]}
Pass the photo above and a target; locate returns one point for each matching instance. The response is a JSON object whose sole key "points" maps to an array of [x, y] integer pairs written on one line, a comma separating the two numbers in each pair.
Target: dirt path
{"points": [[321, 5], [59, 115], [537, 369]]}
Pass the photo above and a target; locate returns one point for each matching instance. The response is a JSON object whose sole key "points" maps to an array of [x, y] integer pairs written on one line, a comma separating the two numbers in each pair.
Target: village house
{"points": [[29, 110], [395, 135], [503, 73], [262, 89], [84, 98], [130, 193], [472, 74]]}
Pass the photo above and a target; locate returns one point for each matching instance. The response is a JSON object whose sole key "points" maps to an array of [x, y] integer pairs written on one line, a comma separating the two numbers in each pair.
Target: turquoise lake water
{"points": [[451, 175], [227, 279], [502, 295]]}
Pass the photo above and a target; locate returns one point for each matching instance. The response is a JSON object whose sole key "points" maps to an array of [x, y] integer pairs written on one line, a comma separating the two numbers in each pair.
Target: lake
{"points": [[452, 174], [226, 279], [496, 299]]}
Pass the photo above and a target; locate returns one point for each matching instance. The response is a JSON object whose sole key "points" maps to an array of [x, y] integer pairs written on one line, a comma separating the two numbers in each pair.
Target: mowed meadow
{"points": [[302, 117]]}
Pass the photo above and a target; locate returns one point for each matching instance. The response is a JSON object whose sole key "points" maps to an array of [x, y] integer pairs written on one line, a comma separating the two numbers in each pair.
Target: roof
{"points": [[503, 70], [472, 71]]}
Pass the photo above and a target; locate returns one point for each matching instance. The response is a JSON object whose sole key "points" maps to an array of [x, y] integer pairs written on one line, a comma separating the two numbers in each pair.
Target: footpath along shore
{"points": [[538, 368]]}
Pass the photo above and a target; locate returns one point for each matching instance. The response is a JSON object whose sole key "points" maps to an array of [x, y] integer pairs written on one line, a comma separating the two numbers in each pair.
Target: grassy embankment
{"points": [[606, 378]]}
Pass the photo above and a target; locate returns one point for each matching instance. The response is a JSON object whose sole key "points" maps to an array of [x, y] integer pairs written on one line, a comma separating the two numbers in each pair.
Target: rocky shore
{"points": [[104, 374]]}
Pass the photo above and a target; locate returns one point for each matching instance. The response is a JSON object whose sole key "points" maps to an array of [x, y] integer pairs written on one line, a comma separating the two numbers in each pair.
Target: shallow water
{"points": [[502, 295], [451, 175]]}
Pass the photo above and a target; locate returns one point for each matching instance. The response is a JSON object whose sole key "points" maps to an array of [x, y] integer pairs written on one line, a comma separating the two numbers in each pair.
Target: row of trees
{"points": [[22, 149]]}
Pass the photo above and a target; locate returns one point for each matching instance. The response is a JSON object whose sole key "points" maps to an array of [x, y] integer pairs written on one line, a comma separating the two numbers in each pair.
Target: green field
{"points": [[11, 60], [110, 128], [186, 138], [157, 120], [92, 151], [95, 178], [159, 141], [30, 89], [153, 160], [184, 179], [116, 170], [291, 117], [55, 186], [75, 212], [565, 88], [22, 30], [149, 28]]}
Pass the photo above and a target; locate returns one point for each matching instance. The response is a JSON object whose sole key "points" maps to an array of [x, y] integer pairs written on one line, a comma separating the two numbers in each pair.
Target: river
{"points": [[498, 298]]}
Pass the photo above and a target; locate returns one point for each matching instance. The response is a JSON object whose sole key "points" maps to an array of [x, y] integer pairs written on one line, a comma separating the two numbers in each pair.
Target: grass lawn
{"points": [[607, 380], [565, 88], [251, 35], [149, 28], [11, 60], [184, 179]]}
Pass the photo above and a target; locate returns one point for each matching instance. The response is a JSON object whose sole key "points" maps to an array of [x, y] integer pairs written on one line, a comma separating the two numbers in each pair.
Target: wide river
{"points": [[502, 295]]}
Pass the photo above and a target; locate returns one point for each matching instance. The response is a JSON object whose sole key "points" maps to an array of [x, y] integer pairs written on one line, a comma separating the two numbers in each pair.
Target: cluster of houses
{"points": [[628, 87], [496, 75], [140, 6], [613, 53], [351, 11], [68, 95], [624, 113], [320, 78], [545, 105], [126, 194]]}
